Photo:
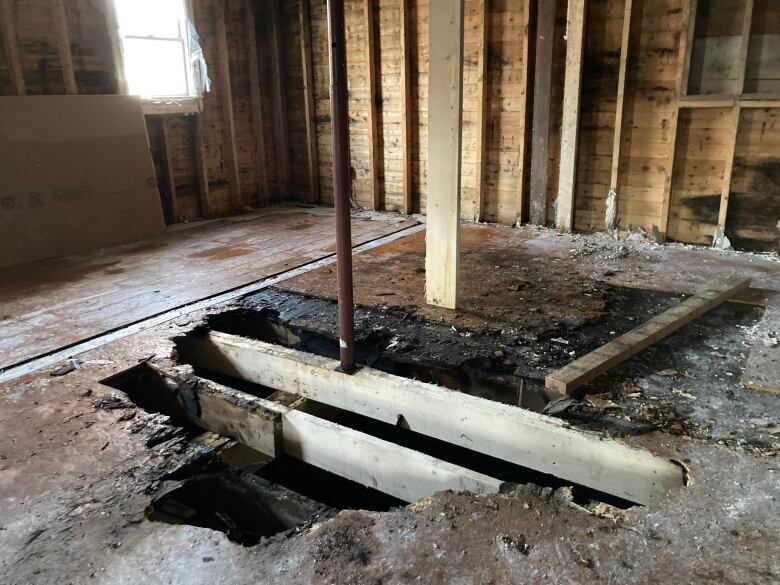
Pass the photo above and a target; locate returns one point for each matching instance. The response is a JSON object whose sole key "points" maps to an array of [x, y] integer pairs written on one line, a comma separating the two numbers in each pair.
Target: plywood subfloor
{"points": [[55, 303]]}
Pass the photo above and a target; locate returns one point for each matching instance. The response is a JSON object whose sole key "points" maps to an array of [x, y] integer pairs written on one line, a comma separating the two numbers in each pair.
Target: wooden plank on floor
{"points": [[445, 88], [762, 370], [584, 369], [502, 431]]}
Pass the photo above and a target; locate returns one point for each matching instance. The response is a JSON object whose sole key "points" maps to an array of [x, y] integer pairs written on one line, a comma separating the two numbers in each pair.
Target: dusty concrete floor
{"points": [[75, 478]]}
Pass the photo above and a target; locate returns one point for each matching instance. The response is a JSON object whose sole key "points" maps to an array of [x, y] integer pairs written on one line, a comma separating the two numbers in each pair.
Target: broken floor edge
{"points": [[542, 443]]}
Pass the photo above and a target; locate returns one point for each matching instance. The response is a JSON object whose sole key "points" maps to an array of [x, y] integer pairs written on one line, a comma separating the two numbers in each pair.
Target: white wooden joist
{"points": [[502, 431], [272, 429]]}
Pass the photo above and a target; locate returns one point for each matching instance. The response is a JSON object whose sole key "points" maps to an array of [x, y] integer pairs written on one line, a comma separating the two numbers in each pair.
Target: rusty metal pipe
{"points": [[340, 139]]}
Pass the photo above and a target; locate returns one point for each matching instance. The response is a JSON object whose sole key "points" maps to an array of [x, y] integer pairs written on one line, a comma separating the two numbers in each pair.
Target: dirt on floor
{"points": [[687, 384], [80, 462]]}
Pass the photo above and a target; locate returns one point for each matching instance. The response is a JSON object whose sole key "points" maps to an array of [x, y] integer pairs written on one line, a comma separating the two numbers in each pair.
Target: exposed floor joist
{"points": [[588, 367], [505, 432], [272, 429]]}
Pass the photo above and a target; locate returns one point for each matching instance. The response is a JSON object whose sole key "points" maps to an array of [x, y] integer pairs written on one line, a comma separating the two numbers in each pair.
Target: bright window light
{"points": [[156, 48]]}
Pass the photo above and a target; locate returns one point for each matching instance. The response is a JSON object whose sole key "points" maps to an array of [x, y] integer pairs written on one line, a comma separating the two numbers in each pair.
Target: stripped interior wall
{"points": [[677, 167]]}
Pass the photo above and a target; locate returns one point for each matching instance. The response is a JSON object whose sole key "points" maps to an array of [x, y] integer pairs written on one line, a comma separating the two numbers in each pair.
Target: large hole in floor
{"points": [[246, 506], [282, 496]]}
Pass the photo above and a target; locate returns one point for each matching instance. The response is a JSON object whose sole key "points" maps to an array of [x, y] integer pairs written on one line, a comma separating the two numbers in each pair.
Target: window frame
{"points": [[693, 98], [191, 103]]}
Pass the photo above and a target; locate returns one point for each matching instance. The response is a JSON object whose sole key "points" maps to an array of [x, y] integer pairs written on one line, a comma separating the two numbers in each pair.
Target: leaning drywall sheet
{"points": [[75, 174]]}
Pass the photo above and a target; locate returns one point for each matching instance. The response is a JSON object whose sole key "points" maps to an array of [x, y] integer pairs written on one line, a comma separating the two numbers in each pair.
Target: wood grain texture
{"points": [[256, 102], [506, 432], [226, 96], [540, 142], [445, 89], [407, 116], [312, 159], [371, 108], [279, 71], [586, 368], [572, 93]]}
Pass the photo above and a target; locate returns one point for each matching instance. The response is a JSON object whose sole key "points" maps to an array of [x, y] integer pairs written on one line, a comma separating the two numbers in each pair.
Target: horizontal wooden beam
{"points": [[502, 431], [584, 369], [272, 429]]}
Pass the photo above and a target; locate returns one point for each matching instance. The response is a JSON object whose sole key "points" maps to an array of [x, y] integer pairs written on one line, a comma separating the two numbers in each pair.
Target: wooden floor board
{"points": [[55, 303]]}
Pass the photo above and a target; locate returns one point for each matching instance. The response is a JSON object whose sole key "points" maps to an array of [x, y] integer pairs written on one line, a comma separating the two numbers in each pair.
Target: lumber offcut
{"points": [[499, 430], [584, 369]]}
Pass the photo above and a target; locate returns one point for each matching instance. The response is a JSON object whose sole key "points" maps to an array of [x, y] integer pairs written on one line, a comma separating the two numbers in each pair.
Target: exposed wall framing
{"points": [[642, 107]]}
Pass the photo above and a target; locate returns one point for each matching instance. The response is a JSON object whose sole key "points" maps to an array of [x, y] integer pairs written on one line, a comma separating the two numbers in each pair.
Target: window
{"points": [[156, 47]]}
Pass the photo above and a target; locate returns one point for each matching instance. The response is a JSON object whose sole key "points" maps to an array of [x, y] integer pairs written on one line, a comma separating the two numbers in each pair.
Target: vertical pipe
{"points": [[340, 138]]}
